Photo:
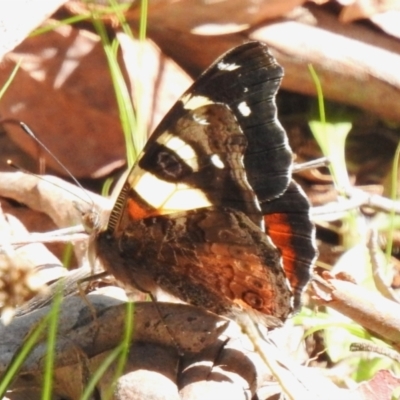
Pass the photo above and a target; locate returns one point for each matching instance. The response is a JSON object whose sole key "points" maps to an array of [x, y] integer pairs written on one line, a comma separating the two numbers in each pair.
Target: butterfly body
{"points": [[195, 212]]}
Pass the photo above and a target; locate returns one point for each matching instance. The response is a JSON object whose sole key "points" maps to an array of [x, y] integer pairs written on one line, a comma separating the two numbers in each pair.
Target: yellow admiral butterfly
{"points": [[209, 212]]}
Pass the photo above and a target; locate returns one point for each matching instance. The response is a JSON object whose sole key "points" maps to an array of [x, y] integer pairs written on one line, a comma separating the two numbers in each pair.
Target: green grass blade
{"points": [[67, 255], [331, 137], [126, 111], [117, 8], [124, 346], [143, 19], [320, 94], [396, 394], [55, 24], [51, 346], [393, 196], [107, 362], [10, 78], [121, 353], [118, 11], [26, 347], [140, 127]]}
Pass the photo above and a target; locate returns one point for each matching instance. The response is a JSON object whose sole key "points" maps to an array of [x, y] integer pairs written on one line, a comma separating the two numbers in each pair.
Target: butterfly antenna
{"points": [[29, 132], [21, 169]]}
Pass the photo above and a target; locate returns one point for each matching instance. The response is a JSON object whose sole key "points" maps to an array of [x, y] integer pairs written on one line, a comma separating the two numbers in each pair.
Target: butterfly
{"points": [[209, 213]]}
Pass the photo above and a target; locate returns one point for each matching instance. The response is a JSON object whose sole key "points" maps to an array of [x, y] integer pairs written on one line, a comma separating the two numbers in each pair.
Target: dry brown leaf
{"points": [[19, 18], [388, 22], [211, 18], [145, 63], [367, 308], [60, 200], [381, 386], [356, 66], [69, 66], [359, 9], [63, 91], [384, 14]]}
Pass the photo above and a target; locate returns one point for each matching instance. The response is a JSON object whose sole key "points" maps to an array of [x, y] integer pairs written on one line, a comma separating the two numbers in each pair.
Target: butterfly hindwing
{"points": [[287, 221], [215, 258]]}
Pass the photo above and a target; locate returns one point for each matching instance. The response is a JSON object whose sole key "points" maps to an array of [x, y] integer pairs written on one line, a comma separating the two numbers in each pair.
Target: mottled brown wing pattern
{"points": [[215, 258]]}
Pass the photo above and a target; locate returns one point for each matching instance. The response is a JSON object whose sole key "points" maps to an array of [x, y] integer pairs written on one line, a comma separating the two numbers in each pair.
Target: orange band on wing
{"points": [[280, 231], [136, 211]]}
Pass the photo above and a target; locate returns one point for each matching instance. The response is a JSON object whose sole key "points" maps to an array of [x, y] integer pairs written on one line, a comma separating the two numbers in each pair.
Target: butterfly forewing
{"points": [[247, 79], [197, 162]]}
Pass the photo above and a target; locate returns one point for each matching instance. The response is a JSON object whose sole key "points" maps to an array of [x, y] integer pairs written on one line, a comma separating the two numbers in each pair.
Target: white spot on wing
{"points": [[216, 160], [191, 103], [227, 67], [166, 196], [200, 120], [186, 198], [244, 109]]}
